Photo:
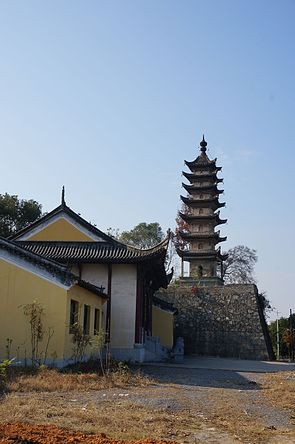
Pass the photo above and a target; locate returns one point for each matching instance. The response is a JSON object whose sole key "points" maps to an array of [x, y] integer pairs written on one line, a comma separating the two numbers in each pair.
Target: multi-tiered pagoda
{"points": [[200, 217]]}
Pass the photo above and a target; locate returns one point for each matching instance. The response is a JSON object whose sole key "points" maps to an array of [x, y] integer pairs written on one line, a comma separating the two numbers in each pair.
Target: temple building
{"points": [[200, 217], [82, 276]]}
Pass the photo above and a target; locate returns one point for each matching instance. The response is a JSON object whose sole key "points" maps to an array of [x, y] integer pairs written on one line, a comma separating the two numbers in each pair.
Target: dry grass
{"points": [[230, 414], [50, 380], [279, 389], [91, 403], [117, 420]]}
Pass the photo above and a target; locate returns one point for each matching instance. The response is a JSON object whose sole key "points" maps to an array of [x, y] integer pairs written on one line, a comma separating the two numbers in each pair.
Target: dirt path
{"points": [[184, 405]]}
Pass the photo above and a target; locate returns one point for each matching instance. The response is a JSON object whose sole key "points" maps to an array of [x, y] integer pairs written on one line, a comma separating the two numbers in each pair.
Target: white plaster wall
{"points": [[123, 305], [96, 274]]}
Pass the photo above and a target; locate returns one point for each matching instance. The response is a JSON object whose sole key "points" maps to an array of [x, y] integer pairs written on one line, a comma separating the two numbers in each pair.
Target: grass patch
{"points": [[279, 388], [44, 379], [124, 420]]}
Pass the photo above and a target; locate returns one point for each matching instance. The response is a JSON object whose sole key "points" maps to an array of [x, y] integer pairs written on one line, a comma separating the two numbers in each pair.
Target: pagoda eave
{"points": [[200, 165], [214, 237], [191, 188], [200, 203], [191, 177], [189, 255], [208, 218]]}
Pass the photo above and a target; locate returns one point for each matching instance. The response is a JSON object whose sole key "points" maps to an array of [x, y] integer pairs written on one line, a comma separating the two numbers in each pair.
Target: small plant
{"points": [[49, 334], [35, 313], [80, 341], [4, 365], [98, 342]]}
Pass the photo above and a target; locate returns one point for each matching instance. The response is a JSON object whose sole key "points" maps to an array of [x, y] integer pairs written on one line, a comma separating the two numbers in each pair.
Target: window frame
{"points": [[74, 315]]}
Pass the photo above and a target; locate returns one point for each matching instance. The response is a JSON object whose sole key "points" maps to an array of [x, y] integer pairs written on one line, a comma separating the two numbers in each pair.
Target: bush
{"points": [[4, 365]]}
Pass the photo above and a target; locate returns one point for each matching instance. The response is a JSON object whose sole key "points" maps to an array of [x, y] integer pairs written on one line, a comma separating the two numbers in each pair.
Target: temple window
{"points": [[74, 311], [96, 321], [86, 320]]}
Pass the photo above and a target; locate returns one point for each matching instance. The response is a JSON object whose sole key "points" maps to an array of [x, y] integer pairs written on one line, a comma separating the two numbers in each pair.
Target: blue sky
{"points": [[109, 98]]}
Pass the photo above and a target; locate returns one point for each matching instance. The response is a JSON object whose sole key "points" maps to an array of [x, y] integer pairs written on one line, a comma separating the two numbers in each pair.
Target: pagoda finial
{"points": [[203, 145], [63, 202]]}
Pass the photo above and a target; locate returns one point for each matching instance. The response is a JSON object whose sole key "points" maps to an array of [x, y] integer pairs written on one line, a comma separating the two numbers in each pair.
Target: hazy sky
{"points": [[109, 98]]}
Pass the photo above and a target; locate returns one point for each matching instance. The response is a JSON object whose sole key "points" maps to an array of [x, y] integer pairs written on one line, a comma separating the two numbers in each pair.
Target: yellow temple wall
{"points": [[162, 326], [60, 230], [83, 297], [19, 287]]}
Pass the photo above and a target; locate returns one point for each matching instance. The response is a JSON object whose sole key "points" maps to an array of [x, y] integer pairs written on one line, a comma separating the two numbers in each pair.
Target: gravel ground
{"points": [[189, 406]]}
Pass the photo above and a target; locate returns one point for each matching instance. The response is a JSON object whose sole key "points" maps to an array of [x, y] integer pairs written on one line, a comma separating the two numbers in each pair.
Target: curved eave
{"points": [[200, 163], [192, 218], [192, 188], [189, 255], [191, 177], [199, 237], [94, 252], [201, 203], [196, 168]]}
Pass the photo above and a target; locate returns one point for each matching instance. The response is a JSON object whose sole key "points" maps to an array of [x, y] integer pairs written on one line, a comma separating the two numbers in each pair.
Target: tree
{"points": [[286, 339], [16, 213], [181, 226], [238, 268], [143, 235]]}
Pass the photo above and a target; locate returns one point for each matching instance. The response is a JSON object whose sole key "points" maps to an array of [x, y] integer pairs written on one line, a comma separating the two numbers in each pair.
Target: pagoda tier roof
{"points": [[201, 203], [93, 252], [197, 166], [192, 177], [189, 255], [213, 187], [202, 236], [212, 217], [202, 161]]}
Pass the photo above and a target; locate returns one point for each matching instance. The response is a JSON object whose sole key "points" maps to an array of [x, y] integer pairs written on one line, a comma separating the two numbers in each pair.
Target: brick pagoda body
{"points": [[200, 216]]}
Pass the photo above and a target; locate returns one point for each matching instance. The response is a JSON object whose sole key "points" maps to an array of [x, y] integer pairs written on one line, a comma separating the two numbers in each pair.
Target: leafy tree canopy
{"points": [[286, 336], [238, 268], [16, 213], [143, 235]]}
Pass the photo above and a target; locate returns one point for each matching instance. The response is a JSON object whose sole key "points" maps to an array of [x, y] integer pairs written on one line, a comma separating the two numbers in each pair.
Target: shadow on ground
{"points": [[201, 378]]}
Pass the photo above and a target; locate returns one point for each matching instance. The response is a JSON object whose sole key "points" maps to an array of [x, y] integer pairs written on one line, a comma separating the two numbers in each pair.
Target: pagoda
{"points": [[199, 217]]}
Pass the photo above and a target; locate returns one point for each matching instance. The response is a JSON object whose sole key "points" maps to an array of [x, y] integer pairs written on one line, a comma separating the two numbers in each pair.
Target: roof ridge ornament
{"points": [[63, 202], [203, 145]]}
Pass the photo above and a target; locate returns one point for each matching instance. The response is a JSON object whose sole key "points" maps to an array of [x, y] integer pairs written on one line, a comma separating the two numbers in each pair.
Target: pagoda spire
{"points": [[203, 145]]}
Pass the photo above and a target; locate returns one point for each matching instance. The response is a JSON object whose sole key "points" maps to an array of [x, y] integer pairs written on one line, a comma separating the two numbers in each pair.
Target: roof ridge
{"points": [[63, 208]]}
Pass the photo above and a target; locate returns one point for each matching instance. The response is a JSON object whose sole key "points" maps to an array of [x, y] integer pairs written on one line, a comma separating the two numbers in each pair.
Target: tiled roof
{"points": [[51, 266], [56, 269], [92, 252], [164, 305]]}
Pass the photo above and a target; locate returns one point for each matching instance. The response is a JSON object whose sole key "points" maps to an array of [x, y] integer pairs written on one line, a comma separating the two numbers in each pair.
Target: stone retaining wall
{"points": [[225, 321]]}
